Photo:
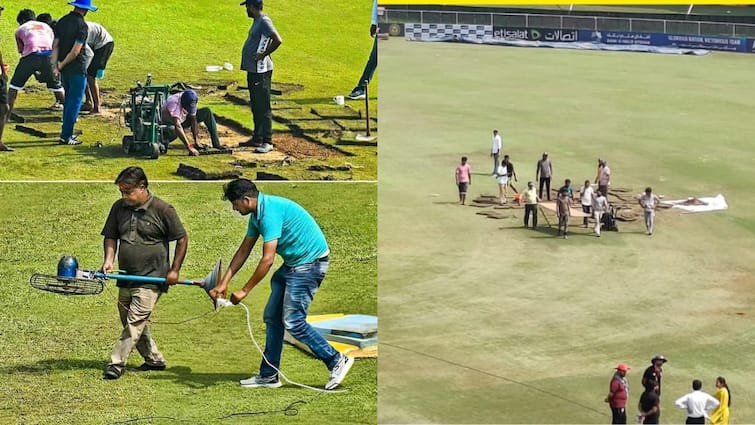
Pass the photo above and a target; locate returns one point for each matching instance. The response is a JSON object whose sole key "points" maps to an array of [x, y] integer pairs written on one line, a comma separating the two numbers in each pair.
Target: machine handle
{"points": [[144, 278]]}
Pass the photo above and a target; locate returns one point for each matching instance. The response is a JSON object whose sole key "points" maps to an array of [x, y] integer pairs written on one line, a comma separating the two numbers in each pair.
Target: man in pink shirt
{"points": [[34, 40], [463, 179], [180, 111]]}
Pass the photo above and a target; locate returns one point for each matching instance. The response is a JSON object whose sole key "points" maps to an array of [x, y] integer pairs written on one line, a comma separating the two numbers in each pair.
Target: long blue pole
{"points": [[141, 278]]}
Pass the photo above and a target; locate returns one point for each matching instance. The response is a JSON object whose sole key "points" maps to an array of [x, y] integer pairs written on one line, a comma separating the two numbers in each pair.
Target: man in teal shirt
{"points": [[290, 231]]}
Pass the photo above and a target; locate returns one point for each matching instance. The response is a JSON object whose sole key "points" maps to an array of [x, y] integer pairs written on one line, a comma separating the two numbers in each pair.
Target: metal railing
{"points": [[593, 23]]}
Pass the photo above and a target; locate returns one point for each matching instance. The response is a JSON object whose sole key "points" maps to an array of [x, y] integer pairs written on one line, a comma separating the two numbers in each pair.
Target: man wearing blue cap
{"points": [[180, 111], [262, 41], [70, 60]]}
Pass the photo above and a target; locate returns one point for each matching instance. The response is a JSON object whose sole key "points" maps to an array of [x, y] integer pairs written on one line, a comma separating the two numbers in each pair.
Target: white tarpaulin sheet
{"points": [[716, 203]]}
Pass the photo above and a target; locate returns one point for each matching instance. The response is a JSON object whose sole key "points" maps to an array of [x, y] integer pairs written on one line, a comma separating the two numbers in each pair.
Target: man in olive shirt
{"points": [[139, 227]]}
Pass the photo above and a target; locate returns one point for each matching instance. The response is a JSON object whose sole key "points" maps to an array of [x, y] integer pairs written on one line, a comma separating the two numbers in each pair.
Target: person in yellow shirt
{"points": [[530, 199], [720, 415]]}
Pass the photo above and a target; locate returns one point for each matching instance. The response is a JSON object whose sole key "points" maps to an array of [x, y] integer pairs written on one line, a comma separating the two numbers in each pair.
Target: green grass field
{"points": [[55, 348], [325, 48], [492, 323]]}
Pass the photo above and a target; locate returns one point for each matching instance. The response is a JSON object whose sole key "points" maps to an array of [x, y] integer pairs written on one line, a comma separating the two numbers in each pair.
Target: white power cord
{"points": [[220, 302]]}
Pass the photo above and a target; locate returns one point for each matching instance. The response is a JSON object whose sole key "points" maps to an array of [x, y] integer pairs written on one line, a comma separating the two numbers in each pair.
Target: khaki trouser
{"points": [[135, 306]]}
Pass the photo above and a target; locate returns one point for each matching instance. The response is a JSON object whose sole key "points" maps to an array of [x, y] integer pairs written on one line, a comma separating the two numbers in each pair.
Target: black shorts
{"points": [[30, 65], [463, 188], [3, 92], [100, 58]]}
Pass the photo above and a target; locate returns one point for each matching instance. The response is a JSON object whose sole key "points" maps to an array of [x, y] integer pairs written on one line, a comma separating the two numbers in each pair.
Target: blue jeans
{"points": [[369, 69], [292, 290], [74, 85]]}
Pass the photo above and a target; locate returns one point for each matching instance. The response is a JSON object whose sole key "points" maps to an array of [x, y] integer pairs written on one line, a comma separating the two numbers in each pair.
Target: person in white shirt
{"points": [[502, 177], [599, 207], [649, 201], [697, 403], [495, 150], [586, 200]]}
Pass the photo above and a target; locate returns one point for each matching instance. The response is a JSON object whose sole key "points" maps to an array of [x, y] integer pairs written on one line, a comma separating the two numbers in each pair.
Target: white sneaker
{"points": [[257, 381], [73, 140], [339, 371], [265, 148]]}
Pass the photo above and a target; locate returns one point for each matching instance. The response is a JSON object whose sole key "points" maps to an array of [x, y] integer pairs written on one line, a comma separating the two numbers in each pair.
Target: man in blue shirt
{"points": [[290, 231]]}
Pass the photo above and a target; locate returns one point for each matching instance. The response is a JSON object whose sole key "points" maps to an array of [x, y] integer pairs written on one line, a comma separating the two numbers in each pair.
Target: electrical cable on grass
{"points": [[251, 336], [513, 381], [290, 410], [147, 418], [280, 373]]}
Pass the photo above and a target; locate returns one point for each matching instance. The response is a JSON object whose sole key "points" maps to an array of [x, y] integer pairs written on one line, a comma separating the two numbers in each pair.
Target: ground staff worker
{"points": [[290, 231], [530, 199], [140, 227], [262, 41]]}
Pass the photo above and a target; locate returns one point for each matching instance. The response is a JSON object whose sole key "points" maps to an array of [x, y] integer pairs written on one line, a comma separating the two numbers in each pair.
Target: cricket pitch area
{"points": [[483, 321]]}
